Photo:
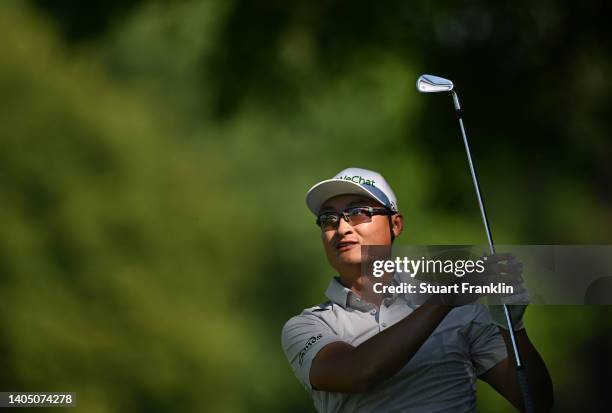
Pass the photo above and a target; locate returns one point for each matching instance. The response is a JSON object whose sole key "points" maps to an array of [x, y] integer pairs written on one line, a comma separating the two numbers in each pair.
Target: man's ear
{"points": [[397, 224]]}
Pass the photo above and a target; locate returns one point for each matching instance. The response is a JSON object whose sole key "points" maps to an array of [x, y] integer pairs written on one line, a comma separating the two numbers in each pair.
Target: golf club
{"points": [[435, 84]]}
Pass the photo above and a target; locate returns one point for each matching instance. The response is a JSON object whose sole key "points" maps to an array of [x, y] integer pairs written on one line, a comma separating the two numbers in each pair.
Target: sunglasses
{"points": [[354, 216]]}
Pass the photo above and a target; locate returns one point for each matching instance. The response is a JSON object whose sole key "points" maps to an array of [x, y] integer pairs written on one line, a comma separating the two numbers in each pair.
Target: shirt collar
{"points": [[346, 298], [337, 292]]}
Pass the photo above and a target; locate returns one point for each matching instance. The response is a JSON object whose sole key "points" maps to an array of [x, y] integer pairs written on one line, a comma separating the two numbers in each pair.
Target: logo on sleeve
{"points": [[311, 341]]}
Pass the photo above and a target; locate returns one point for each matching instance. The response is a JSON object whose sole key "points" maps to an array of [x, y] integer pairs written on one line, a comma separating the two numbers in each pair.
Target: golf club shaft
{"points": [[520, 369]]}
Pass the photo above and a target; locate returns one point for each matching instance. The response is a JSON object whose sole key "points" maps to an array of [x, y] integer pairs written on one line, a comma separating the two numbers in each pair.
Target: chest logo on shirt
{"points": [[308, 345]]}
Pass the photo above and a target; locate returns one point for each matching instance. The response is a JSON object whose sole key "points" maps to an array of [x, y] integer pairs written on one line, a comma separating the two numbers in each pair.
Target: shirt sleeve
{"points": [[487, 347], [303, 337]]}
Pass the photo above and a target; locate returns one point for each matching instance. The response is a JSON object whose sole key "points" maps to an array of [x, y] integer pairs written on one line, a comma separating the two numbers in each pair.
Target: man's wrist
{"points": [[516, 312], [520, 325]]}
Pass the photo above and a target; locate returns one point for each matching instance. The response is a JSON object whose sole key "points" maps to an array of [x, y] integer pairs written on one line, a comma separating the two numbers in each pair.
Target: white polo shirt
{"points": [[440, 377]]}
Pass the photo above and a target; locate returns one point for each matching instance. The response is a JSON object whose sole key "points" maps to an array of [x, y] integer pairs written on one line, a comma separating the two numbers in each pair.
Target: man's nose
{"points": [[343, 226]]}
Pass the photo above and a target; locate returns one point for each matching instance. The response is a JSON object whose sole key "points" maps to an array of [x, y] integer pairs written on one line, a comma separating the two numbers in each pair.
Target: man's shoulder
{"points": [[312, 321], [314, 311], [319, 308], [310, 315]]}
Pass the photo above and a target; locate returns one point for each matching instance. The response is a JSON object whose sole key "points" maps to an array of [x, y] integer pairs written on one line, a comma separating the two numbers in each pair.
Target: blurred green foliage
{"points": [[154, 159]]}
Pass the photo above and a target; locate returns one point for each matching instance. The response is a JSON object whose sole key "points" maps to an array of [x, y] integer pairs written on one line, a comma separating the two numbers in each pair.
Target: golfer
{"points": [[365, 352]]}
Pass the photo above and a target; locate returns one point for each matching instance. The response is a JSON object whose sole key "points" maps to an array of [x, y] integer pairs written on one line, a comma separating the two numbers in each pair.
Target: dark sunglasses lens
{"points": [[328, 221], [359, 216]]}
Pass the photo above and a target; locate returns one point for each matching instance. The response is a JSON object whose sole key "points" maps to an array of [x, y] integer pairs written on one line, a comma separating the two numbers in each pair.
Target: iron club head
{"points": [[433, 84]]}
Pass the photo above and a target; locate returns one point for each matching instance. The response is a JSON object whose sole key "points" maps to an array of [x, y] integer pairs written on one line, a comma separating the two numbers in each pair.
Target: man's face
{"points": [[343, 245]]}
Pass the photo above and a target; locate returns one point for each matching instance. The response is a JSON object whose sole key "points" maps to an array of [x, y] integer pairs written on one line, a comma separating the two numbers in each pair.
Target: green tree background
{"points": [[154, 158]]}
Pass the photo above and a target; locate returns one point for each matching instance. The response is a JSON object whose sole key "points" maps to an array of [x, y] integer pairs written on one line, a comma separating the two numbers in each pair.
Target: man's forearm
{"points": [[540, 383], [387, 352]]}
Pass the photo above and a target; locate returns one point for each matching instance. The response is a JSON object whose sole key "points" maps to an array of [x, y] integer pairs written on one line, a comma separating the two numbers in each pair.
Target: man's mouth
{"points": [[345, 245]]}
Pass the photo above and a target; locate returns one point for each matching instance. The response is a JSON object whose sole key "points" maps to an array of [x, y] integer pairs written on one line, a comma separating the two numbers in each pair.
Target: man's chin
{"points": [[351, 257]]}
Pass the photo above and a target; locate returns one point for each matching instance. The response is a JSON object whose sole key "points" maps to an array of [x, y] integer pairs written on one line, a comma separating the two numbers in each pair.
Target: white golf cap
{"points": [[352, 181]]}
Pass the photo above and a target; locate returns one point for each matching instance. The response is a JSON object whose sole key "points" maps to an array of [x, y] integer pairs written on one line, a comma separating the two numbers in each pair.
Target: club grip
{"points": [[521, 374]]}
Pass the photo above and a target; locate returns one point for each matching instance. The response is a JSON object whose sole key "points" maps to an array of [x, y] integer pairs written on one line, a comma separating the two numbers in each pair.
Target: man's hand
{"points": [[508, 267]]}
